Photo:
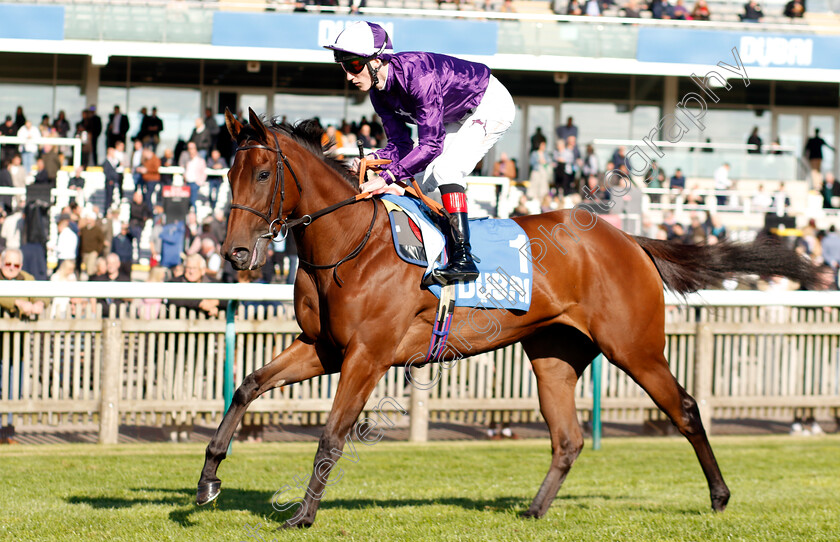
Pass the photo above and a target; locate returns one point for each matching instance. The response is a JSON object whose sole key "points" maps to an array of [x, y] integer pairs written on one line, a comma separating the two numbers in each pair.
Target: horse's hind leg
{"points": [[655, 377], [556, 380], [300, 361]]}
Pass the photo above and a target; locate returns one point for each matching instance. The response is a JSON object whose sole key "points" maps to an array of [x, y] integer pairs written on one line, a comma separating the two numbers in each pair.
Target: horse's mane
{"points": [[308, 133]]}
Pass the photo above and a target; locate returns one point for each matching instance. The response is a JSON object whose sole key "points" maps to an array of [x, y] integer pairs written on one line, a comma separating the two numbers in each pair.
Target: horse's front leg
{"points": [[359, 375], [302, 360]]}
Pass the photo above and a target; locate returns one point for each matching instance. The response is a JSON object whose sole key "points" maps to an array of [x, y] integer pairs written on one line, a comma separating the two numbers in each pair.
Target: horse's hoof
{"points": [[207, 492], [719, 502], [531, 514]]}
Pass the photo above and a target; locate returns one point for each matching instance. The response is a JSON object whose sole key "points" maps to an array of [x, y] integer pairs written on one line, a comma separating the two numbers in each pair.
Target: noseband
{"points": [[305, 220], [279, 184]]}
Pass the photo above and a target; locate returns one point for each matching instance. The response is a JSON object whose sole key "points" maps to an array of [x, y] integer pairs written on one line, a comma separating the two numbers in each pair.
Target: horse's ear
{"points": [[233, 125], [257, 124]]}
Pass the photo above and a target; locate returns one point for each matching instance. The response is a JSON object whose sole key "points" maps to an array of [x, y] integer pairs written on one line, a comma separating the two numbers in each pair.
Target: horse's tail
{"points": [[688, 268]]}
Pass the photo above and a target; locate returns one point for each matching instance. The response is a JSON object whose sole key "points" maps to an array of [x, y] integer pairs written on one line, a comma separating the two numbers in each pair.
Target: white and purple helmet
{"points": [[361, 39]]}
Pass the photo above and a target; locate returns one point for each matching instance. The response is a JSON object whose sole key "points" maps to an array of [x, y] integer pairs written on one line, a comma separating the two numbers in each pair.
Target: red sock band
{"points": [[455, 202]]}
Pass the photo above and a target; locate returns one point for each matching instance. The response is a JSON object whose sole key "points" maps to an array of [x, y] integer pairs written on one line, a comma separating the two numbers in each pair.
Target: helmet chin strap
{"points": [[374, 77]]}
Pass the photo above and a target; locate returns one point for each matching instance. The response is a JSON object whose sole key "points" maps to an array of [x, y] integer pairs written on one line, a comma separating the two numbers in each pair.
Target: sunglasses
{"points": [[12, 265], [354, 65]]}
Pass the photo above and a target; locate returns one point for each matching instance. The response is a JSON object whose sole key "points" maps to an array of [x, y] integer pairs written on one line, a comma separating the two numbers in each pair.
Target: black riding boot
{"points": [[461, 266]]}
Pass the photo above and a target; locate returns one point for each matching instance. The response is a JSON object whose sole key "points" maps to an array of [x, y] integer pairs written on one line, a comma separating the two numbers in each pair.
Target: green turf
{"points": [[783, 488]]}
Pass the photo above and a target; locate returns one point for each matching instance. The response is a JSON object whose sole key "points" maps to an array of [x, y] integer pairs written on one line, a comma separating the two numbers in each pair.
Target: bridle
{"points": [[279, 184], [286, 225]]}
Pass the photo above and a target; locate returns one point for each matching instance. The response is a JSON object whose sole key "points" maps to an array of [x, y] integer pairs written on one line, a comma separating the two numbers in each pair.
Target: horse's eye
{"points": [[263, 176]]}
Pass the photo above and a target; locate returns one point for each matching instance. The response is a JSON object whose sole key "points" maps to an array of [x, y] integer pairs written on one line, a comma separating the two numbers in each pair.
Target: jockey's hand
{"points": [[354, 165], [376, 185]]}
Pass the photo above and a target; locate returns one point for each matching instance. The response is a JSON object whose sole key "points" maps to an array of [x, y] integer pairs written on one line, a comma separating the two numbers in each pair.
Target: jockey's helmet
{"points": [[359, 43]]}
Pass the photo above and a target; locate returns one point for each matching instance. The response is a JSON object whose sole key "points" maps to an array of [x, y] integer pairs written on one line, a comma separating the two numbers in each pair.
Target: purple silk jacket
{"points": [[428, 90]]}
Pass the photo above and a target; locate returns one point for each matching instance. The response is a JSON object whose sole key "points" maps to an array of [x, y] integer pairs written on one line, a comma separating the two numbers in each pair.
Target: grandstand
{"points": [[617, 77]]}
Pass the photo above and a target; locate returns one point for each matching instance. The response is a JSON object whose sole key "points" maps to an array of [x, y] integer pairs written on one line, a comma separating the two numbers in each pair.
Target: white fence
{"points": [[742, 354]]}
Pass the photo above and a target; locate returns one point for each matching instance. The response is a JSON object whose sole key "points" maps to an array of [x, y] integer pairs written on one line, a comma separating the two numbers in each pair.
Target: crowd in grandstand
{"points": [[94, 243]]}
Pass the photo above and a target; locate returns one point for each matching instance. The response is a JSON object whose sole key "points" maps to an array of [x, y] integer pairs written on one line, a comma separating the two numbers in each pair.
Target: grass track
{"points": [[783, 488]]}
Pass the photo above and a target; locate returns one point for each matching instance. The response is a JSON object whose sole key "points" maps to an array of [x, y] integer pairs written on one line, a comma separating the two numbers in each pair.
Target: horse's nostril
{"points": [[240, 254]]}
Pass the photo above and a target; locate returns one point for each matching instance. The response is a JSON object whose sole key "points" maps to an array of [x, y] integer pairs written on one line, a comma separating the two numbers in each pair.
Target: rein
{"points": [[305, 220]]}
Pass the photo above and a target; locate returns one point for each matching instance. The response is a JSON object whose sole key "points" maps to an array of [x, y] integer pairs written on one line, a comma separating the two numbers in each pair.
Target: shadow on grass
{"points": [[258, 502]]}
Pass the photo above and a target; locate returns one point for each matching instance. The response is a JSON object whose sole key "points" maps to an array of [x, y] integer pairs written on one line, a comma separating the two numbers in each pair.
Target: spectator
{"points": [[91, 241], [45, 127], [536, 139], [63, 307], [195, 172], [5, 182], [139, 213], [754, 139], [794, 9], [813, 150], [762, 201], [150, 310], [212, 127], [20, 118], [717, 229], [113, 176], [680, 12], [210, 252], [95, 130], [677, 181], [590, 165], [17, 171], [218, 226], [631, 10], [831, 248], [521, 208], [662, 10], [113, 272], [566, 130], [117, 128], [540, 173], [619, 158], [504, 167], [201, 138], [7, 151], [77, 184], [29, 148], [722, 183], [573, 8], [365, 137], [830, 192], [776, 146], [152, 130], [701, 11], [135, 163], [11, 261], [62, 127], [67, 244], [752, 12], [194, 270], [122, 246], [564, 160], [149, 171], [781, 200]]}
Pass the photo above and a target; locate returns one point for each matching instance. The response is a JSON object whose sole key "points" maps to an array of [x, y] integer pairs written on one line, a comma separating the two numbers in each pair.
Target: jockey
{"points": [[460, 111]]}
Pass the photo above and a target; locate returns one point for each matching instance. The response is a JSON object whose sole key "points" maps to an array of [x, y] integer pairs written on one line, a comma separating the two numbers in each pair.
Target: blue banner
{"points": [[756, 49], [20, 21], [303, 31]]}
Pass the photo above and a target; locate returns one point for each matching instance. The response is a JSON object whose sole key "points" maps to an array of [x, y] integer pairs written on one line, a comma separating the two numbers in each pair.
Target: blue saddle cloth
{"points": [[501, 245]]}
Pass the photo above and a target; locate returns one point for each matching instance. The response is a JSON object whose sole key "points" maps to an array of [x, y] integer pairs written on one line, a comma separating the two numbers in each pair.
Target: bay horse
{"points": [[603, 295]]}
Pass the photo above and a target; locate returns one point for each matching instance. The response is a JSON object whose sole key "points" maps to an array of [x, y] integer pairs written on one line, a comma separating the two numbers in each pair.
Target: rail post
{"points": [[419, 410], [703, 371], [230, 354], [110, 384], [596, 401]]}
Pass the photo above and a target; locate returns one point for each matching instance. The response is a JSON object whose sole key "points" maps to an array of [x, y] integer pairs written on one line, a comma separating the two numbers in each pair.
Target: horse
{"points": [[602, 293]]}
